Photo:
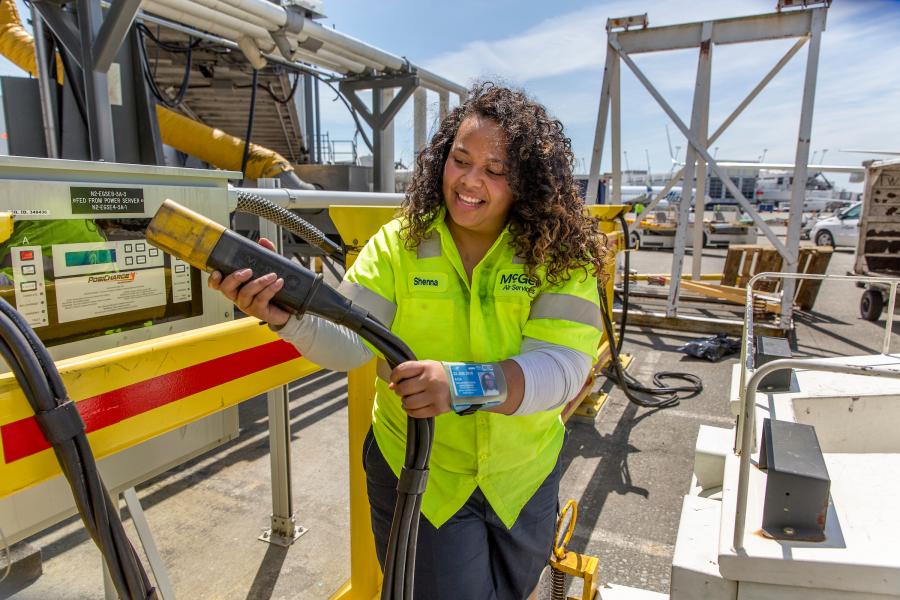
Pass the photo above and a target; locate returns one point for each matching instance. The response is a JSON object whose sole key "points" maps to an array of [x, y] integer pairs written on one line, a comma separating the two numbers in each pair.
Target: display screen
{"points": [[90, 257]]}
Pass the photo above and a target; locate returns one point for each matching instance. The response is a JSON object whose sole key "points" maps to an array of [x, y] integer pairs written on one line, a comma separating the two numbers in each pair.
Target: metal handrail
{"points": [[747, 336], [748, 389]]}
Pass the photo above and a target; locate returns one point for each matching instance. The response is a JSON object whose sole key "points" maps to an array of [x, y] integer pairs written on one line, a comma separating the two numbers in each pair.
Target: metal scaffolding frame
{"points": [[631, 35]]}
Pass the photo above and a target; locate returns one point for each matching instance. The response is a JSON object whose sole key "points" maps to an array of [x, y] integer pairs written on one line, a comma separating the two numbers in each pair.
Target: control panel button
{"points": [[140, 247], [28, 270], [129, 260], [26, 255], [141, 260], [154, 251]]}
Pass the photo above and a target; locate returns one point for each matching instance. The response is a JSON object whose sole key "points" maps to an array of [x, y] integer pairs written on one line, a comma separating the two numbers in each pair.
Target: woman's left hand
{"points": [[423, 387]]}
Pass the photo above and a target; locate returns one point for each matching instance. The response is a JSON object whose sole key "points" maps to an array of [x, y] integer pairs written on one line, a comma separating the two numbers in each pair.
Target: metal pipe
{"points": [[96, 87], [593, 186], [801, 160], [216, 39], [889, 325], [263, 9], [316, 199], [173, 14], [420, 118], [748, 413], [193, 11], [747, 334], [348, 55], [46, 83], [757, 220], [330, 36], [726, 123], [231, 10], [615, 134]]}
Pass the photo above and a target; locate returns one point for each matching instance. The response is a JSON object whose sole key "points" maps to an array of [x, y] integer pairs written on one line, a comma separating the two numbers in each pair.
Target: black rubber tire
{"points": [[870, 305], [825, 238], [635, 240]]}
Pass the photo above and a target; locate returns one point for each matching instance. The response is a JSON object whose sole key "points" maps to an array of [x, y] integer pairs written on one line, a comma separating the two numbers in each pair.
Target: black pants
{"points": [[473, 556]]}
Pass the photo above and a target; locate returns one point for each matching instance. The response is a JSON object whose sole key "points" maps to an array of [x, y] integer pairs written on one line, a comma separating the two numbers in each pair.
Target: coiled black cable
{"points": [[61, 424], [661, 395]]}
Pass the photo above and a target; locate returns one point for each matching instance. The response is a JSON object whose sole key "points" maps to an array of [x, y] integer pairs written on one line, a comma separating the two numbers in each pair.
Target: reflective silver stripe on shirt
{"points": [[383, 369], [566, 307], [429, 247], [375, 304], [518, 260]]}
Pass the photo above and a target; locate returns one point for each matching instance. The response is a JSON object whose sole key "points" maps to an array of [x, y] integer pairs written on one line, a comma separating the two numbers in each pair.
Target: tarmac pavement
{"points": [[628, 471]]}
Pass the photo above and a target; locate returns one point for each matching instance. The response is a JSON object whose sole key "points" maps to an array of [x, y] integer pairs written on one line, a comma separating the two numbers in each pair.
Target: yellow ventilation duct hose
{"points": [[186, 135], [16, 43], [217, 147]]}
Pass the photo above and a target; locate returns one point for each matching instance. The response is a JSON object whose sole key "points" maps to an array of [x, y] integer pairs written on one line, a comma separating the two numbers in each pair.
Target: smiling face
{"points": [[475, 186]]}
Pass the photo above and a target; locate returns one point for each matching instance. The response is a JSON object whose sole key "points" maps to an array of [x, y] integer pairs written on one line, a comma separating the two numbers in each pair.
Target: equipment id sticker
{"points": [[473, 380]]}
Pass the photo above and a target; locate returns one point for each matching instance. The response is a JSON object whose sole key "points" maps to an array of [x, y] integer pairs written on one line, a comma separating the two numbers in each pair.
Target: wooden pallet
{"points": [[746, 260]]}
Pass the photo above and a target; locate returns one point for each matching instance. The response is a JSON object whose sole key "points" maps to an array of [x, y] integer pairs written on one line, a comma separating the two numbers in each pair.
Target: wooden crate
{"points": [[746, 260]]}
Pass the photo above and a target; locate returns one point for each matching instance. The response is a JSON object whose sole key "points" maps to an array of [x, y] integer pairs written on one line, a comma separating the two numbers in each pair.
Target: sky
{"points": [[555, 51]]}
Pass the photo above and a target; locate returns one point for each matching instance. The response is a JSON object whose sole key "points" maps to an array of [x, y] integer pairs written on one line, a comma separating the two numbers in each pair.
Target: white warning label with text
{"points": [[103, 294]]}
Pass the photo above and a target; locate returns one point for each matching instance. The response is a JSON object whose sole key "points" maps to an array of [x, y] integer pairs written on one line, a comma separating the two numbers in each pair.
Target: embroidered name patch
{"points": [[428, 282]]}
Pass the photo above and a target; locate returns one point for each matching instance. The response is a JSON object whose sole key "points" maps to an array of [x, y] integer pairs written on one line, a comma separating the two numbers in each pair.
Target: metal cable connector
{"points": [[259, 206]]}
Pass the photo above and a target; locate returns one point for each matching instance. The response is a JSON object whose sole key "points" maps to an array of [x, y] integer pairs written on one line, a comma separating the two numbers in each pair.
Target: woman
{"points": [[492, 267]]}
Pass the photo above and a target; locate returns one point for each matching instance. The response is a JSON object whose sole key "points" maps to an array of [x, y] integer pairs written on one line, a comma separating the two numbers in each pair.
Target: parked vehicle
{"points": [[841, 229], [878, 244]]}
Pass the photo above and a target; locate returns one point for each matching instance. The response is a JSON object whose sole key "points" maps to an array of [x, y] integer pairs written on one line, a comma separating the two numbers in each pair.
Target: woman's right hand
{"points": [[252, 296]]}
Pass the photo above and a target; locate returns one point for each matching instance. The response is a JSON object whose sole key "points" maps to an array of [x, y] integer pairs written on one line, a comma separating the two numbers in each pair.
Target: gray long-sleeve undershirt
{"points": [[554, 374]]}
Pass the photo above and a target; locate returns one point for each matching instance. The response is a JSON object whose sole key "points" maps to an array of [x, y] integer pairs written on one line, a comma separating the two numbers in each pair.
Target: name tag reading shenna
{"points": [[427, 282]]}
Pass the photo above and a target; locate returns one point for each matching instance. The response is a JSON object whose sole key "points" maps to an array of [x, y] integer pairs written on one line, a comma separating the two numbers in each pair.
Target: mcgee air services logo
{"points": [[512, 282]]}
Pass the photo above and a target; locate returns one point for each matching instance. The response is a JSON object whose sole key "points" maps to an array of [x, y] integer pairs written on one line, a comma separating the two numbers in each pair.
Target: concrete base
{"points": [[713, 444], [612, 591], [695, 566], [26, 567]]}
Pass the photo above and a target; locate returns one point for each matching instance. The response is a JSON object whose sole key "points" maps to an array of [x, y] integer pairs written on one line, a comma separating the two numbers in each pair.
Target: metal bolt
{"points": [[789, 531]]}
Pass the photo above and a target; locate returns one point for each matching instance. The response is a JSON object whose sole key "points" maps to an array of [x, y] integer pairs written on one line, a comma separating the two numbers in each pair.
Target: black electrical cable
{"points": [[307, 293], [246, 155], [399, 566], [70, 76], [287, 98], [143, 32], [268, 89], [359, 127], [661, 395], [61, 424]]}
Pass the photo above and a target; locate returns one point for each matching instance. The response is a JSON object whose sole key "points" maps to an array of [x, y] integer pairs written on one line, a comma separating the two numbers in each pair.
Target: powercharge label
{"points": [[104, 294]]}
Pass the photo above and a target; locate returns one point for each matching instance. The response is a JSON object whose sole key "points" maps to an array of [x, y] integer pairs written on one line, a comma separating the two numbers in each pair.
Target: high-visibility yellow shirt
{"points": [[425, 298]]}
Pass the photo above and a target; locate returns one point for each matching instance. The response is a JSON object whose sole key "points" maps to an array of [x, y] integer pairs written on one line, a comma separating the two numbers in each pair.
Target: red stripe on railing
{"points": [[23, 438]]}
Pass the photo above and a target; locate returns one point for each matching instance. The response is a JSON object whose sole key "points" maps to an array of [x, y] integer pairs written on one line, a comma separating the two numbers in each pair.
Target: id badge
{"points": [[475, 385]]}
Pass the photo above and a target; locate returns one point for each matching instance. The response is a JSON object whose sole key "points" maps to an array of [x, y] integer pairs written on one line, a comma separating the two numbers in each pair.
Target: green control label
{"points": [[106, 200]]}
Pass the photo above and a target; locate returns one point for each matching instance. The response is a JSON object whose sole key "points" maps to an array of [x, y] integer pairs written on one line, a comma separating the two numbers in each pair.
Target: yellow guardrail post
{"points": [[590, 403], [356, 224]]}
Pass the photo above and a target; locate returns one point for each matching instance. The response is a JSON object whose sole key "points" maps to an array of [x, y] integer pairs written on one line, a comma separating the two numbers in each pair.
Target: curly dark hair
{"points": [[549, 227]]}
